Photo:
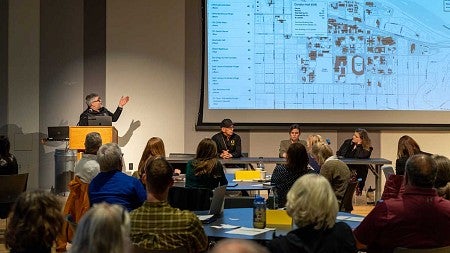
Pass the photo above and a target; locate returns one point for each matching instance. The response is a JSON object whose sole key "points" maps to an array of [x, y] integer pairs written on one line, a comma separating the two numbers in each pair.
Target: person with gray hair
{"points": [[95, 108], [87, 167], [419, 218], [104, 228], [77, 203], [313, 207], [113, 186]]}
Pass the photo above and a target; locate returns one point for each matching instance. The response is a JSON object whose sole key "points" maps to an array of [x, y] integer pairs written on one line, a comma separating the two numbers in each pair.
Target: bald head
{"points": [[421, 171]]}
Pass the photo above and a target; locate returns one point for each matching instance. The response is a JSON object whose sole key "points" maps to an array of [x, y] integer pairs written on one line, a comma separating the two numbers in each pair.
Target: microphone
{"points": [[328, 141]]}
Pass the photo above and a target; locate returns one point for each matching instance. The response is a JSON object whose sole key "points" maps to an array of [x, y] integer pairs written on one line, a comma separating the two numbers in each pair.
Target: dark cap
{"points": [[226, 123]]}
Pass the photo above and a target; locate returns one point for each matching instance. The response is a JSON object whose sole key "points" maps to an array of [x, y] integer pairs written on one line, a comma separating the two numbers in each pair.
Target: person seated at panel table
{"points": [[158, 226], [104, 228], [35, 221], [407, 147], [310, 141], [359, 146], [228, 143], [154, 148], [417, 219], [95, 108], [336, 171], [205, 170], [294, 137], [113, 186], [313, 207], [284, 175]]}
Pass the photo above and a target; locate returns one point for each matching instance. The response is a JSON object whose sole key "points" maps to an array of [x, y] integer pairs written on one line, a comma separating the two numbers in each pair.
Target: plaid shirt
{"points": [[157, 225]]}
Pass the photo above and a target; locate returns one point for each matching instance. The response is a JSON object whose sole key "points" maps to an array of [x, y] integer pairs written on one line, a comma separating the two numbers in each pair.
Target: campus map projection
{"points": [[336, 55]]}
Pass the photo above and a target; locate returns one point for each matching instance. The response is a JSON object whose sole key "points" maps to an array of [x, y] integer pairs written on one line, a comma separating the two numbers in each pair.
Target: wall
{"points": [[153, 55]]}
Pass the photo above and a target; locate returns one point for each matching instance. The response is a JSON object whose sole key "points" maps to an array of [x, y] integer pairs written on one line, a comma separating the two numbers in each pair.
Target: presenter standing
{"points": [[228, 143], [95, 108]]}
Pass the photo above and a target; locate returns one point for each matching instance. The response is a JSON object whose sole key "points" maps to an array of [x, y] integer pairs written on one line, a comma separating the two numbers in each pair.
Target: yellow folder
{"points": [[278, 218], [247, 175]]}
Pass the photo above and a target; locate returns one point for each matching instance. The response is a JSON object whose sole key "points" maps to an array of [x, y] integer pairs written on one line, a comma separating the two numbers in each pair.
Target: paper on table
{"points": [[204, 217], [249, 231], [226, 226], [349, 218]]}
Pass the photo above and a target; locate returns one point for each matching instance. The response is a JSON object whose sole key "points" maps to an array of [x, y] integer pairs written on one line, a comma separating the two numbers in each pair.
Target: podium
{"points": [[77, 135]]}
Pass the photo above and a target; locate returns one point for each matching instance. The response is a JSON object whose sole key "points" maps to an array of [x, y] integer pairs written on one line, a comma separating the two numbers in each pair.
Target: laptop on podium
{"points": [[100, 121]]}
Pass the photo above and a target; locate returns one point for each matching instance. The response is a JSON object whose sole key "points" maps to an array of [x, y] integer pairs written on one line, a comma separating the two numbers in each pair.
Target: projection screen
{"points": [[383, 63]]}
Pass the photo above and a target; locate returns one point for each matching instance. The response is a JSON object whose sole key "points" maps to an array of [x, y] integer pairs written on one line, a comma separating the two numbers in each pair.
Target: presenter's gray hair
{"points": [[104, 228], [109, 156], [90, 98], [92, 142], [311, 201]]}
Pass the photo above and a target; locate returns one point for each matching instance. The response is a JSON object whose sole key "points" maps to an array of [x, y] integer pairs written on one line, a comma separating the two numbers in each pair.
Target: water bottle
{"points": [[260, 164], [274, 196], [259, 212]]}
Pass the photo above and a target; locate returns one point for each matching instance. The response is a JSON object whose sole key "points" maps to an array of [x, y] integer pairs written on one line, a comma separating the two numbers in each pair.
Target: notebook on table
{"points": [[216, 208]]}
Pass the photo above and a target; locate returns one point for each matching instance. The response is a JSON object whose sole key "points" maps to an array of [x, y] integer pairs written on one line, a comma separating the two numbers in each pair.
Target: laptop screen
{"points": [[59, 133], [100, 121]]}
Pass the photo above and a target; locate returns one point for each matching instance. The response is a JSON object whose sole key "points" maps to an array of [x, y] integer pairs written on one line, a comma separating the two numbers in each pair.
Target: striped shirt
{"points": [[157, 225]]}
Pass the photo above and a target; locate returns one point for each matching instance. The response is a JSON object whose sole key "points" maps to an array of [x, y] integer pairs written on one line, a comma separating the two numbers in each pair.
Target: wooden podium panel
{"points": [[77, 135]]}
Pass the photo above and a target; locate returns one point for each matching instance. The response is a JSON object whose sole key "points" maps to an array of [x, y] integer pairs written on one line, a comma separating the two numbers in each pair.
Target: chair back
{"points": [[346, 204], [239, 202], [433, 250], [137, 249], [387, 171], [192, 199], [11, 186]]}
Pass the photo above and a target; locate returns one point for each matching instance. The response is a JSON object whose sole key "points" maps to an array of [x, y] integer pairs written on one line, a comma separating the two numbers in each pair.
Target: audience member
{"points": [[359, 146], [157, 225], [313, 207], [113, 186], [35, 221], [417, 219], [95, 108], [442, 183], [104, 228], [294, 137], [205, 171], [87, 167], [336, 171], [407, 147], [77, 203], [228, 143], [8, 162], [284, 175], [154, 147], [310, 142], [238, 246]]}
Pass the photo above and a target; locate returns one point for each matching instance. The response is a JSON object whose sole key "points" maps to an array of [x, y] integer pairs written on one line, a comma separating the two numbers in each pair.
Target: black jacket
{"points": [[103, 112]]}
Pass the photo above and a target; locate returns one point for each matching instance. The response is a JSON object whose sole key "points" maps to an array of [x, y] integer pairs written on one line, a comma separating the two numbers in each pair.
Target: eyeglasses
{"points": [[98, 100]]}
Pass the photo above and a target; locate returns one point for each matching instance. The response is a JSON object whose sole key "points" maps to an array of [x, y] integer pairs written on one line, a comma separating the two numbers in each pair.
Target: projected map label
{"points": [[343, 55]]}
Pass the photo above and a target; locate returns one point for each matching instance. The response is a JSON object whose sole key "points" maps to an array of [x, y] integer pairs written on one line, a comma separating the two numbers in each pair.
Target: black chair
{"points": [[192, 199], [346, 204], [238, 202], [11, 186]]}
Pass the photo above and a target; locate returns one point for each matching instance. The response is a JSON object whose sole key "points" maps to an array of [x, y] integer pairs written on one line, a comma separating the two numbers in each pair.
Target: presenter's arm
{"points": [[123, 101]]}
